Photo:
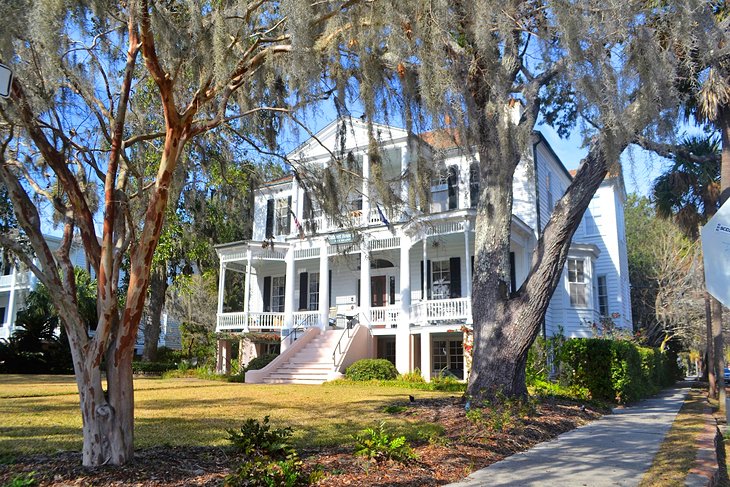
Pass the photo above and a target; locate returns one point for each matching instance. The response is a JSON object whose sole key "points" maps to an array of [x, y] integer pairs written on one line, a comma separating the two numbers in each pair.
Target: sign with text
{"points": [[716, 251], [6, 79]]}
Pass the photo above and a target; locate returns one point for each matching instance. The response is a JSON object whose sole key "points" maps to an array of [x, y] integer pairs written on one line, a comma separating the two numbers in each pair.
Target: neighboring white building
{"points": [[18, 281], [408, 312]]}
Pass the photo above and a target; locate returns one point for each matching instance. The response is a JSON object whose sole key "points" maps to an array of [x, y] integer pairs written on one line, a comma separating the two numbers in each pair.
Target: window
{"points": [[314, 291], [576, 283], [2, 317], [448, 355], [281, 216], [445, 190], [474, 184], [592, 217], [602, 295], [278, 294], [441, 279]]}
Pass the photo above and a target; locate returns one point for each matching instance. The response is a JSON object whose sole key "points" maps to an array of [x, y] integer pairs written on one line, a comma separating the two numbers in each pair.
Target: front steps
{"points": [[311, 365]]}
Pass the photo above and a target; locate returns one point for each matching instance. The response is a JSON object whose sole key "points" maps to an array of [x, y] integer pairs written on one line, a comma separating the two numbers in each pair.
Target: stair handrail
{"points": [[301, 326], [352, 324]]}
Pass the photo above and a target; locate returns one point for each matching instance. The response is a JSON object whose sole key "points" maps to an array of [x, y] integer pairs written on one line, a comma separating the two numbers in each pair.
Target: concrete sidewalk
{"points": [[615, 450]]}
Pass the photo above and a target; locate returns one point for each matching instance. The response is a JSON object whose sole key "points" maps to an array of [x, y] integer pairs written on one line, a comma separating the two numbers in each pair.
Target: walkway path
{"points": [[615, 450]]}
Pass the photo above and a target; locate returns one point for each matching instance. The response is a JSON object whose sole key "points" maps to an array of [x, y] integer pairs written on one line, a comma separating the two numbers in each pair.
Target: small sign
{"points": [[716, 251], [6, 80]]}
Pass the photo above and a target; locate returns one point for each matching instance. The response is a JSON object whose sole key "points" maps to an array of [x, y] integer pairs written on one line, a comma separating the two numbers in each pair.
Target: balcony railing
{"points": [[441, 310], [256, 320], [387, 317], [306, 319], [423, 313]]}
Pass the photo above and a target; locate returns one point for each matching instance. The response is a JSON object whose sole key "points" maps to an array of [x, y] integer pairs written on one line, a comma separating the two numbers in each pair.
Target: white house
{"points": [[338, 291]]}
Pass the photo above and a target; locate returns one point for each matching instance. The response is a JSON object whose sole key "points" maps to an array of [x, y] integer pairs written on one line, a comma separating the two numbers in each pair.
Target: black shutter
{"points": [[270, 219], [455, 271], [287, 230], [303, 290], [512, 274], [358, 292], [392, 290], [267, 293], [453, 187], [330, 289], [428, 279], [307, 211]]}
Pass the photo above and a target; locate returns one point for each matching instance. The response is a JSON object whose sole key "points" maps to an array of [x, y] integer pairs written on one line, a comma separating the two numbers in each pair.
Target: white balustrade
{"points": [[306, 319], [387, 316], [434, 311], [257, 320]]}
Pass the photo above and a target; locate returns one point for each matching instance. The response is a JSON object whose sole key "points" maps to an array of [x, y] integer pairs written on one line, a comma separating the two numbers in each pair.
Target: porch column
{"points": [[365, 190], [11, 301], [426, 354], [324, 285], [223, 357], [288, 297], [424, 270], [403, 333], [221, 289], [247, 290], [467, 253], [364, 283]]}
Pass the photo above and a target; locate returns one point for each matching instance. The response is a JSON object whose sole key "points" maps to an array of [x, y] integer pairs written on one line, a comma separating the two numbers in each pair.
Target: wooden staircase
{"points": [[310, 365]]}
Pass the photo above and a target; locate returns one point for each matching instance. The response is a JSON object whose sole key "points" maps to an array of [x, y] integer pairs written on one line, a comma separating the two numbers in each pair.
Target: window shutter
{"points": [[358, 292], [512, 273], [453, 187], [267, 293], [307, 207], [455, 271], [287, 229], [303, 290], [330, 289], [428, 279], [270, 219]]}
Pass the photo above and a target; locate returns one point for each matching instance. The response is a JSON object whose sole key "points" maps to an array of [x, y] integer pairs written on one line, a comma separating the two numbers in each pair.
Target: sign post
{"points": [[6, 80]]}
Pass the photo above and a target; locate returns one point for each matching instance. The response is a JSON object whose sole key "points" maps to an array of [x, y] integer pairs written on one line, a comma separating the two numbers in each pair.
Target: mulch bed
{"points": [[463, 448]]}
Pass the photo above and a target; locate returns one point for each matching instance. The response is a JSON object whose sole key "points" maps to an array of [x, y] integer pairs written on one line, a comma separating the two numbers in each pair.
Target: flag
{"points": [[382, 216], [300, 228]]}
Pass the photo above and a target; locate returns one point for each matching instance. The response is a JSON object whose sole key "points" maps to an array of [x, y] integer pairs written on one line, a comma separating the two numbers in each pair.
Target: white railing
{"points": [[306, 319], [433, 311], [387, 316], [258, 320]]}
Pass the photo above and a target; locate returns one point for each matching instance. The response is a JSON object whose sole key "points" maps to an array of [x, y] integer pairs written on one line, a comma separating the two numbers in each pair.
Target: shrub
{"points": [[370, 369], [258, 438], [169, 355], [152, 367], [22, 480], [261, 362], [376, 444], [615, 370], [263, 472], [413, 377]]}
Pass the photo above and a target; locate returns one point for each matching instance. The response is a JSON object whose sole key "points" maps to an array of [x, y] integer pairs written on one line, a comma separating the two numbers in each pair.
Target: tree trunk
{"points": [[506, 326], [158, 288], [711, 371]]}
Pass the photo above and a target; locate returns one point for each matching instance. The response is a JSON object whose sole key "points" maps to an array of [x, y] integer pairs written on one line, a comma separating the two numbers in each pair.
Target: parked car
{"points": [[726, 374]]}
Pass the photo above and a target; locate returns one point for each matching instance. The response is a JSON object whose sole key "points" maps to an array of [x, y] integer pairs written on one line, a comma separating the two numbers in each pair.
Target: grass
{"points": [[677, 452], [40, 414]]}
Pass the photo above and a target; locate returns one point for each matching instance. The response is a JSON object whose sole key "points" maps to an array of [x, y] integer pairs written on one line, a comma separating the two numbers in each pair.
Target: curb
{"points": [[705, 471]]}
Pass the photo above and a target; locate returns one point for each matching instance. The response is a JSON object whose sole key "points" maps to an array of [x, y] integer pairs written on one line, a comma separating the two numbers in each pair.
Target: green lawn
{"points": [[40, 414]]}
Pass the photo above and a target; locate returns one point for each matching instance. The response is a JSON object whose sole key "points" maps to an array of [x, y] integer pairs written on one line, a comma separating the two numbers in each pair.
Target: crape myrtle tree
{"points": [[67, 127], [602, 64]]}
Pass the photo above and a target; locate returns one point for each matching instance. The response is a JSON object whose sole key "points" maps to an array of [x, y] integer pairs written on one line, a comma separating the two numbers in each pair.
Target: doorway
{"points": [[378, 290]]}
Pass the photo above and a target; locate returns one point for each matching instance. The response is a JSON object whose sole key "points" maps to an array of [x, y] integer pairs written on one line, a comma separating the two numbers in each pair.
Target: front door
{"points": [[379, 291]]}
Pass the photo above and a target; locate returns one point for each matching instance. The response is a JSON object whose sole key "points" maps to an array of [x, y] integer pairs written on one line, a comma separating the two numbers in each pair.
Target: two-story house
{"points": [[395, 283]]}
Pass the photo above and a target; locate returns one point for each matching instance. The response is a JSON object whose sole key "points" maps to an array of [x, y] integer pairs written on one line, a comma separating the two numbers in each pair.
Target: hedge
{"points": [[152, 367], [615, 370]]}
